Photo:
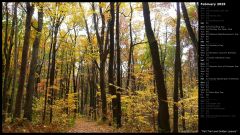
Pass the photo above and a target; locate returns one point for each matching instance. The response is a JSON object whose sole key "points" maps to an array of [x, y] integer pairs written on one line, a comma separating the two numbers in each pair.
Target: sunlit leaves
{"points": [[102, 4], [139, 109]]}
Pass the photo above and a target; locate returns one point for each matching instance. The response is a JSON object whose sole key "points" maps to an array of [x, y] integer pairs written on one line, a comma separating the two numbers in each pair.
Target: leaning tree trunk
{"points": [[163, 114], [192, 36]]}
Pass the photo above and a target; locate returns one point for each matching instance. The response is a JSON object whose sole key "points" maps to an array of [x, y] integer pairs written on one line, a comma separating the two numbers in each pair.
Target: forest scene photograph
{"points": [[102, 67]]}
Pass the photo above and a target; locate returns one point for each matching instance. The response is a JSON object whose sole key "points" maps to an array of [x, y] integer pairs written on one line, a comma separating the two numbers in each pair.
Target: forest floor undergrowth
{"points": [[80, 125]]}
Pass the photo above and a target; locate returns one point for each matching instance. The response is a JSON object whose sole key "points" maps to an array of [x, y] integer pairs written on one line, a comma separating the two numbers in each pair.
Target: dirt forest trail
{"points": [[83, 125]]}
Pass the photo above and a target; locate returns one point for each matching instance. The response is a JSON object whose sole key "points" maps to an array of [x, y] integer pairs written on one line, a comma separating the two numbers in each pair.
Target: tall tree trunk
{"points": [[74, 79], [91, 92], [67, 88], [22, 75], [182, 97], [165, 53], [119, 112], [112, 89], [86, 93], [102, 56], [5, 38], [131, 50], [10, 110], [74, 87], [163, 114], [103, 92], [176, 73], [31, 79], [48, 71], [39, 69], [7, 79], [133, 78], [52, 71], [87, 68], [189, 27], [192, 36], [82, 88]]}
